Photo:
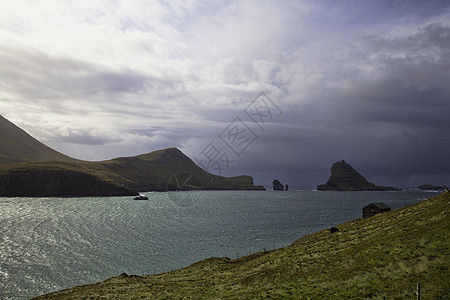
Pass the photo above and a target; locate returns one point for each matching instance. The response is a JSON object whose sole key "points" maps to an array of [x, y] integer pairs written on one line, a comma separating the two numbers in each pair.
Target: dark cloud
{"points": [[390, 122], [365, 82]]}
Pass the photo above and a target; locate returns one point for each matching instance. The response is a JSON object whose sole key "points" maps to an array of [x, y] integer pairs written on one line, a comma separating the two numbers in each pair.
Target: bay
{"points": [[48, 244]]}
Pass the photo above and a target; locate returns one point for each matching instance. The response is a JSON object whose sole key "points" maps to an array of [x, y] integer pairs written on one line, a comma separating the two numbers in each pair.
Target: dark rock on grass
{"points": [[334, 229]]}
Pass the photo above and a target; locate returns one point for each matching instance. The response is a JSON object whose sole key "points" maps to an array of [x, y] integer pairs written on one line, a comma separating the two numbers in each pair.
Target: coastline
{"points": [[275, 273]]}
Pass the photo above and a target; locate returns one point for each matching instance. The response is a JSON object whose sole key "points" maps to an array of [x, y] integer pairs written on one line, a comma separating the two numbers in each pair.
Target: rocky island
{"points": [[29, 168], [344, 178], [277, 186], [431, 187]]}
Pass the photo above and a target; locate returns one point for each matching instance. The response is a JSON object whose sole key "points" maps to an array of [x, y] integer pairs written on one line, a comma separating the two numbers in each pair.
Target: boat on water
{"points": [[140, 197]]}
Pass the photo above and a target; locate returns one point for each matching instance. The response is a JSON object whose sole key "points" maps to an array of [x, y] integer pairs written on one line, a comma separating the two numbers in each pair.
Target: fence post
{"points": [[418, 291]]}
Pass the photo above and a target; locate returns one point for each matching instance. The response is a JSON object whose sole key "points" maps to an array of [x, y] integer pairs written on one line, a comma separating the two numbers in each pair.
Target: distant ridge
{"points": [[344, 178], [17, 146], [29, 168]]}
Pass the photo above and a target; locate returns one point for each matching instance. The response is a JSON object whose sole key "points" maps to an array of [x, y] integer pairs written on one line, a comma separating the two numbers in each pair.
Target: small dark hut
{"points": [[374, 208]]}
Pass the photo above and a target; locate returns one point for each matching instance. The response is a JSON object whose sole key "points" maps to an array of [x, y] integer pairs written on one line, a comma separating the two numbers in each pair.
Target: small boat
{"points": [[140, 197]]}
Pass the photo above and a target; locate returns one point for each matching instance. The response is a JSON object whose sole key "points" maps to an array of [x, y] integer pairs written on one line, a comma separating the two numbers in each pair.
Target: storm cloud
{"points": [[365, 82]]}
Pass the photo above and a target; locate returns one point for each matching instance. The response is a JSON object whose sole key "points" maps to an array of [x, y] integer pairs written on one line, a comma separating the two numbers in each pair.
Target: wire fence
{"points": [[231, 255]]}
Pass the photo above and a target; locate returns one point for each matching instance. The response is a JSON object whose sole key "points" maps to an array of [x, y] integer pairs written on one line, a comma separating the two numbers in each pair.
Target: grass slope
{"points": [[17, 146], [385, 255], [155, 171]]}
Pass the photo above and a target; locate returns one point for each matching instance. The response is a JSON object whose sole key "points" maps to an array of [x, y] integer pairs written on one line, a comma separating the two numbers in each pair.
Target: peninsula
{"points": [[344, 178], [28, 168]]}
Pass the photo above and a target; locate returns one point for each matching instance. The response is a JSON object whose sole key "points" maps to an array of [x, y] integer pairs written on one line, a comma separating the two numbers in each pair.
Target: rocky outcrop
{"points": [[277, 186], [431, 187], [345, 178]]}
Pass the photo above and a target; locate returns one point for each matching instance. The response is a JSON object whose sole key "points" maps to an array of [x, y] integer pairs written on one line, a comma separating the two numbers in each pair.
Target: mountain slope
{"points": [[28, 168], [17, 146], [168, 169], [344, 178], [385, 255]]}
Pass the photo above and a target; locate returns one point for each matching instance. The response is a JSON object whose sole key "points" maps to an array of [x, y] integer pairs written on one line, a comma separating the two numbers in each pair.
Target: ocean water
{"points": [[48, 244]]}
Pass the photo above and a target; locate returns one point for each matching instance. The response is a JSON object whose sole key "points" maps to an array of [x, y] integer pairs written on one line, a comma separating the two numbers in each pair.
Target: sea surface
{"points": [[48, 244]]}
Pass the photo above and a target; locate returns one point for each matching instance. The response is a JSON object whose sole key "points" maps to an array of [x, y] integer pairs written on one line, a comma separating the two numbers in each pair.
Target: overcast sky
{"points": [[364, 81]]}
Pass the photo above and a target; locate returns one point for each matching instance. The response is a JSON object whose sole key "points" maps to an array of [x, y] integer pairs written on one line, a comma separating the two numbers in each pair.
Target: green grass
{"points": [[17, 146], [385, 255]]}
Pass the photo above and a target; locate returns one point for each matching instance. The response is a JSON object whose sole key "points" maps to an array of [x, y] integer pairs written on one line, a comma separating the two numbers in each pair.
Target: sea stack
{"points": [[344, 178], [277, 186]]}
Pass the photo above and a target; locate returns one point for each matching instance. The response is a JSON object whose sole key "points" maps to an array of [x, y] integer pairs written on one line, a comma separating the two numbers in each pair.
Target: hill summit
{"points": [[345, 178]]}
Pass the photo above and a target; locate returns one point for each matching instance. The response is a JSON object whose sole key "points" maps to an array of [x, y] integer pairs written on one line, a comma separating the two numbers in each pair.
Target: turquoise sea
{"points": [[48, 244]]}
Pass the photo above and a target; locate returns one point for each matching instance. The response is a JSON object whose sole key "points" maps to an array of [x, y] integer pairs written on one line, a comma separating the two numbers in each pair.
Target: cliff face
{"points": [[51, 183], [345, 178]]}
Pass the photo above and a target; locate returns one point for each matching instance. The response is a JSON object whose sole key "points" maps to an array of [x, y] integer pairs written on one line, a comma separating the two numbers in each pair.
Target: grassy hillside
{"points": [[162, 170], [385, 255], [17, 146], [30, 168], [169, 169]]}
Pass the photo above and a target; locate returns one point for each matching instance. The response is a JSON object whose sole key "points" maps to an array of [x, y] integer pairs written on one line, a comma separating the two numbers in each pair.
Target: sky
{"points": [[271, 89]]}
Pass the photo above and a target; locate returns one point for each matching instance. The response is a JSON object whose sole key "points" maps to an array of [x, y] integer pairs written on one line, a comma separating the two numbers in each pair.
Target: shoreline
{"points": [[312, 249]]}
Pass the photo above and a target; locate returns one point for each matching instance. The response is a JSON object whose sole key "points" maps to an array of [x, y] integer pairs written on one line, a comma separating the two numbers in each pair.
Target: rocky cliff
{"points": [[277, 186], [28, 181], [344, 178]]}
